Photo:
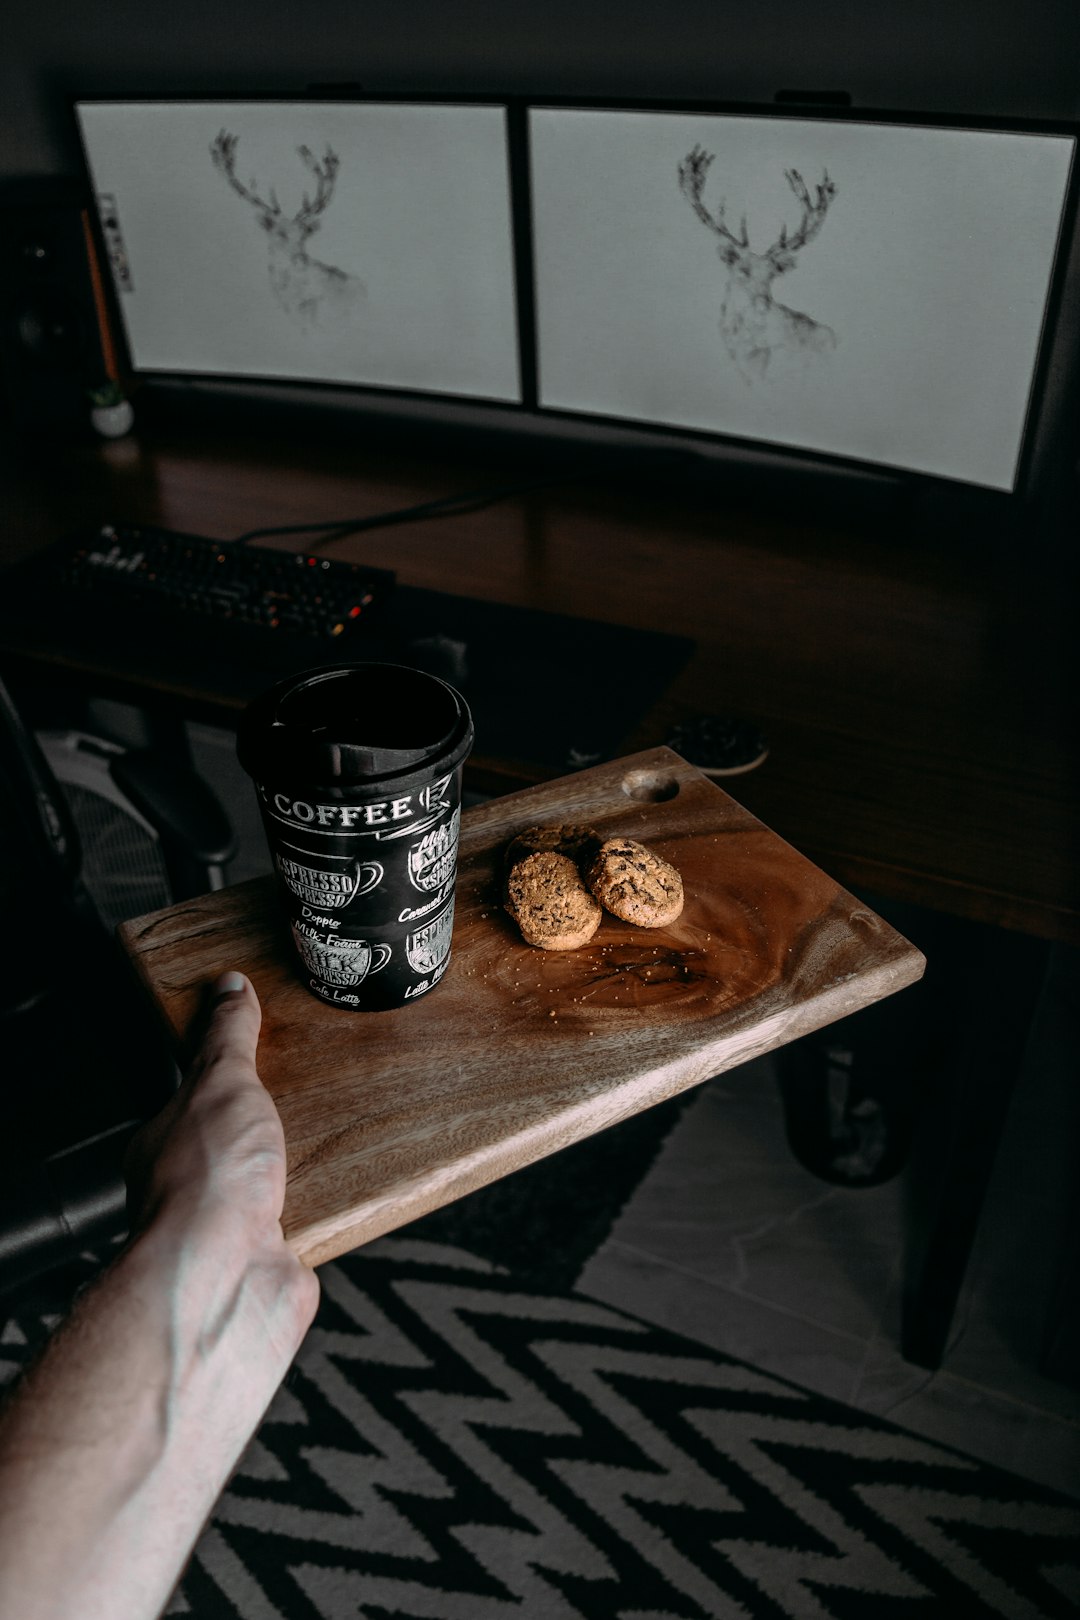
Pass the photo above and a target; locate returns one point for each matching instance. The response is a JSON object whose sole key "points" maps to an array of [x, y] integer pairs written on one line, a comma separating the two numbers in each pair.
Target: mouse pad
{"points": [[546, 687]]}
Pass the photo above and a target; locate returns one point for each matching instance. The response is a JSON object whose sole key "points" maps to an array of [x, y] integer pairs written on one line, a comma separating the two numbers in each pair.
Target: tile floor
{"points": [[732, 1242]]}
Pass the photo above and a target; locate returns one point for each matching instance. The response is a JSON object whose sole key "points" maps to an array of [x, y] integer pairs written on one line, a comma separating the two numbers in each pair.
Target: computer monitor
{"points": [[871, 290], [860, 294], [365, 243]]}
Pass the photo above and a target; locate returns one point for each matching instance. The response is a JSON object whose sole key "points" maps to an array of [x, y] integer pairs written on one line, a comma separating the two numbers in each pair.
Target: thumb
{"points": [[233, 1021], [226, 1040]]}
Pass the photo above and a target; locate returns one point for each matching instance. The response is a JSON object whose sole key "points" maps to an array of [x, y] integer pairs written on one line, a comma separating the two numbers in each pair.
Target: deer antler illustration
{"points": [[300, 283], [692, 172], [753, 325], [325, 174], [813, 212]]}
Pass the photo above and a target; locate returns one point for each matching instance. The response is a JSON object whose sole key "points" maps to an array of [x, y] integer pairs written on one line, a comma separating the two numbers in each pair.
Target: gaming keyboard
{"points": [[162, 572], [133, 611]]}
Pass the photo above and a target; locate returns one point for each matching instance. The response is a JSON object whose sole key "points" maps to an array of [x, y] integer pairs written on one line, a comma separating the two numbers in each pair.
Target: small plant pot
{"points": [[112, 421]]}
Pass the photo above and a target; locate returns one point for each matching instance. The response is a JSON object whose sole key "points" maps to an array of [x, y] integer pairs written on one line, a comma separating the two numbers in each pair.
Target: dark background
{"points": [[1001, 58]]}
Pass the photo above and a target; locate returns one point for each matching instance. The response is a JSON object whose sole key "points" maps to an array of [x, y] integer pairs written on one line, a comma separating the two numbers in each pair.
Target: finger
{"points": [[234, 1019]]}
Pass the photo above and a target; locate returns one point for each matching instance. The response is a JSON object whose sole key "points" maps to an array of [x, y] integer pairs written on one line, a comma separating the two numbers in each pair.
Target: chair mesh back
{"points": [[122, 862], [122, 865]]}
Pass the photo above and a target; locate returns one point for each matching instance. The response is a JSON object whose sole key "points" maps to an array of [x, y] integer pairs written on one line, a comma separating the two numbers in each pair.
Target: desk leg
{"points": [[996, 982]]}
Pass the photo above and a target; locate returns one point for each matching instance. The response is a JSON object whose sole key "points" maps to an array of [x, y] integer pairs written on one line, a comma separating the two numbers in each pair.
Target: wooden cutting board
{"points": [[520, 1052]]}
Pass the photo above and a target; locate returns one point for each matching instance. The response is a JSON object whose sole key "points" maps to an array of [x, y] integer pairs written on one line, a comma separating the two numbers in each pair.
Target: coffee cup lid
{"points": [[353, 723]]}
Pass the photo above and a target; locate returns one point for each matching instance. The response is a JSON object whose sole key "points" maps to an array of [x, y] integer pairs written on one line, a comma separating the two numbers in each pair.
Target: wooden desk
{"points": [[918, 691]]}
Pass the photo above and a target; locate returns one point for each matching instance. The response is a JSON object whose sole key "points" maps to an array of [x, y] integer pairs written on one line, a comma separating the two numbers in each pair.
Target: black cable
{"points": [[473, 500]]}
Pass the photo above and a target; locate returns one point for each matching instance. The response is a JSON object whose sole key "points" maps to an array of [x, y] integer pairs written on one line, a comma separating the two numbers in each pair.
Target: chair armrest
{"points": [[63, 1204], [196, 837]]}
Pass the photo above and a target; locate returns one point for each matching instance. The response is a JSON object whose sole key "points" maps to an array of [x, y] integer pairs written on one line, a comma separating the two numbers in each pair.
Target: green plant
{"points": [[109, 393]]}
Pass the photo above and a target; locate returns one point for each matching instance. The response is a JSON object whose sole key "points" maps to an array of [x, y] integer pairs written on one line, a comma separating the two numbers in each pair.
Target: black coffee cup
{"points": [[357, 768]]}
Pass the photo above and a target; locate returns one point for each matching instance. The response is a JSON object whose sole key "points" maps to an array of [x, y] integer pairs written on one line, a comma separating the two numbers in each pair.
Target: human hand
{"points": [[210, 1166], [122, 1436]]}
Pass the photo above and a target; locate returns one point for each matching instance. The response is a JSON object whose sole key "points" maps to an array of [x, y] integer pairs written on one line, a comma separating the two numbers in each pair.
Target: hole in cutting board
{"points": [[650, 787]]}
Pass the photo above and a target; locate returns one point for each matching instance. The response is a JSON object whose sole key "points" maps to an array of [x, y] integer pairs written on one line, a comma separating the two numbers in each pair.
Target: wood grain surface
{"points": [[520, 1052]]}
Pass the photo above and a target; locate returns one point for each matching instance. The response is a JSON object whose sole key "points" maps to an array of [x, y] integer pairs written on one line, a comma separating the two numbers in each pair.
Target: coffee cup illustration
{"points": [[428, 947], [327, 889], [433, 859], [340, 961]]}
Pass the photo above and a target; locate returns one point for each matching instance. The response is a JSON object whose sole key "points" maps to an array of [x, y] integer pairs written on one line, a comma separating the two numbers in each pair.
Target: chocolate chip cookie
{"points": [[635, 883], [549, 902], [580, 843]]}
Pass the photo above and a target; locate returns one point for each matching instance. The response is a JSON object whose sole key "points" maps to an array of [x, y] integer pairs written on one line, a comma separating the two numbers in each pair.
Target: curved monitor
{"points": [[872, 291], [866, 293]]}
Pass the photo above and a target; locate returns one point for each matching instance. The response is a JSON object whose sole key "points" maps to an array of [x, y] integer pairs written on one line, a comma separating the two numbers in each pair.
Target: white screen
{"points": [[902, 331], [383, 258]]}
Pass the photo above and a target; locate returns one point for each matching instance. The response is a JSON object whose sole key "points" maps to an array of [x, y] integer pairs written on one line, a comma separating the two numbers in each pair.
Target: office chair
{"points": [[85, 1059]]}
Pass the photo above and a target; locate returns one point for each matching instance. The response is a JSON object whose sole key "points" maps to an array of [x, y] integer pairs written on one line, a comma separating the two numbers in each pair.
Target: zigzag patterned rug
{"points": [[453, 1444]]}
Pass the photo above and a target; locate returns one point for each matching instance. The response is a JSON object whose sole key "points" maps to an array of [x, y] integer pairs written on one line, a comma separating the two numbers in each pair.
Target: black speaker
{"points": [[55, 332]]}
